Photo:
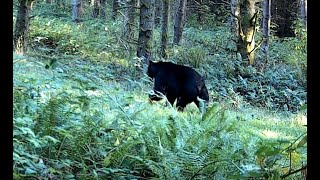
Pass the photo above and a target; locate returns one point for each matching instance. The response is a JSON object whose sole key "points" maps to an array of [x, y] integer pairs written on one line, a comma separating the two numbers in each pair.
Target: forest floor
{"points": [[76, 89]]}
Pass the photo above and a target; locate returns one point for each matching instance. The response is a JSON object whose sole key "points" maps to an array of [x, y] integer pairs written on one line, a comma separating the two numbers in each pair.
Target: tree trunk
{"points": [[96, 8], [303, 11], [129, 19], [115, 7], [248, 22], [103, 8], [157, 12], [174, 9], [235, 10], [22, 26], [164, 29], [76, 10], [266, 27], [145, 29], [179, 22]]}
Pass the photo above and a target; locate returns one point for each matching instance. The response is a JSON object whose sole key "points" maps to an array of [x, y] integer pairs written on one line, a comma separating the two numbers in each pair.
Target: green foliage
{"points": [[292, 51], [218, 16], [200, 44], [216, 41], [271, 154], [193, 56], [79, 126], [277, 88], [81, 107], [27, 149], [62, 37]]}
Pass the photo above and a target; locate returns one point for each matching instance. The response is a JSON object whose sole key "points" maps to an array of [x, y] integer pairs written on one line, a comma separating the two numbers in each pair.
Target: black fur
{"points": [[177, 82]]}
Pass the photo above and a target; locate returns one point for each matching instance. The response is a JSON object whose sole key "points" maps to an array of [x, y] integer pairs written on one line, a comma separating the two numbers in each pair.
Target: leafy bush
{"points": [[277, 88], [88, 39], [193, 56]]}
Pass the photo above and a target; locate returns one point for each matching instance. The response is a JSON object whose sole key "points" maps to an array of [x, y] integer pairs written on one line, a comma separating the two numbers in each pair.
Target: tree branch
{"points": [[293, 172], [257, 46], [254, 20]]}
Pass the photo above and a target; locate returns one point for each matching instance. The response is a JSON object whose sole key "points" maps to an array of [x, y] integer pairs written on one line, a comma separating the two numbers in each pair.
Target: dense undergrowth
{"points": [[81, 108]]}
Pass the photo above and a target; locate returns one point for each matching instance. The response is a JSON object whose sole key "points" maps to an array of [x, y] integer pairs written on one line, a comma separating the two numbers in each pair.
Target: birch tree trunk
{"points": [[246, 42], [145, 30], [303, 11], [179, 22], [235, 10], [76, 10], [164, 28], [266, 27], [22, 26]]}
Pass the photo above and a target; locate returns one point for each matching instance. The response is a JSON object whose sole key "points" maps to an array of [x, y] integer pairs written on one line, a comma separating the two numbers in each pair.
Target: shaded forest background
{"points": [[81, 108]]}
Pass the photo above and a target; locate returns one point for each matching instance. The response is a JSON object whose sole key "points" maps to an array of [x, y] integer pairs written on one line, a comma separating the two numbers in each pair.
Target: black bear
{"points": [[177, 82]]}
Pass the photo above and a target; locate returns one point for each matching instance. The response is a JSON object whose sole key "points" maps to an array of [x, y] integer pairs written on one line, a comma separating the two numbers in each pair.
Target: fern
{"points": [[52, 115]]}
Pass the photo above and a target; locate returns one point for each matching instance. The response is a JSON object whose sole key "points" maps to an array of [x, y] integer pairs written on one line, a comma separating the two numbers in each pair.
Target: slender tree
{"points": [[129, 19], [247, 26], [99, 8], [115, 7], [235, 10], [303, 11], [145, 29], [96, 8], [22, 26], [76, 10], [164, 28], [179, 22], [174, 9], [266, 27], [103, 8], [157, 12]]}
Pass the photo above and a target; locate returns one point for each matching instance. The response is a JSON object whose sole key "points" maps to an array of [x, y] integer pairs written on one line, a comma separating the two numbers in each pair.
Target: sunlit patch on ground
{"points": [[301, 119], [270, 134]]}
